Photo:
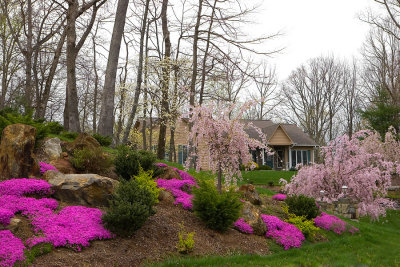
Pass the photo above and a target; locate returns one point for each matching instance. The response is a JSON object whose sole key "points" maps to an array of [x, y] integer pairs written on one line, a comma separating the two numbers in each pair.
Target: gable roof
{"points": [[269, 128]]}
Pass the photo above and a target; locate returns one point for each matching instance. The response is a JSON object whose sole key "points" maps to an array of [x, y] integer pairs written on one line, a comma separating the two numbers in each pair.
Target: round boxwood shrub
{"points": [[301, 205], [218, 211], [130, 207], [103, 140], [128, 161]]}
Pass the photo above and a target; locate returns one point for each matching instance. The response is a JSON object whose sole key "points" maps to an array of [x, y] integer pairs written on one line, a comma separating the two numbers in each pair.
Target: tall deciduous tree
{"points": [[106, 120], [74, 11]]}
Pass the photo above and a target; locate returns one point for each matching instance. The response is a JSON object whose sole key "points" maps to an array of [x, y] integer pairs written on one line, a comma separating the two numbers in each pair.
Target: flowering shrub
{"points": [[242, 226], [224, 135], [284, 233], [72, 226], [44, 167], [351, 162], [279, 197], [11, 249], [177, 187], [333, 223]]}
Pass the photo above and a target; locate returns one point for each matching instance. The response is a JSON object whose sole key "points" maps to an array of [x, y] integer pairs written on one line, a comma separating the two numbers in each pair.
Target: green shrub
{"points": [[263, 168], [301, 205], [127, 161], [218, 211], [54, 127], [129, 209], [91, 160], [69, 135], [9, 116], [186, 242], [145, 180], [305, 226], [103, 140]]}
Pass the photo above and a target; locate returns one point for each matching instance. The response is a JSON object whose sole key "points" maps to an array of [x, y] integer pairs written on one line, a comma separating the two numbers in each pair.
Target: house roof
{"points": [[268, 127], [294, 133]]}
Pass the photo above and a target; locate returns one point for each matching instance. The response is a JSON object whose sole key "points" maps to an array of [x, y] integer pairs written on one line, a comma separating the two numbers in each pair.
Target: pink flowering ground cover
{"points": [[179, 187], [44, 167], [279, 197], [242, 226], [71, 227], [11, 249], [284, 233], [333, 223]]}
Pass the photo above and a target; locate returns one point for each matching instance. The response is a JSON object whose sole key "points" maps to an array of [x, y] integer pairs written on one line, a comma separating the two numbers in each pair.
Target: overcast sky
{"points": [[312, 28]]}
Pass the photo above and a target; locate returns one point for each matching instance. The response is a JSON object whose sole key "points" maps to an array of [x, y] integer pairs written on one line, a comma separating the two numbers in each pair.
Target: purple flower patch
{"points": [[44, 167], [242, 226], [284, 233], [333, 223], [11, 249], [279, 197]]}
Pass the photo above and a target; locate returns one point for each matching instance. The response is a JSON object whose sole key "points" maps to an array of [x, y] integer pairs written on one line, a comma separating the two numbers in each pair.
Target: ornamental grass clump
{"points": [[242, 226], [11, 249], [333, 223], [284, 233], [217, 210]]}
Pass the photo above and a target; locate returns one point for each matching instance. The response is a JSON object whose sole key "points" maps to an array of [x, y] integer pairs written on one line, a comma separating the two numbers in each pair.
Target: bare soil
{"points": [[156, 241]]}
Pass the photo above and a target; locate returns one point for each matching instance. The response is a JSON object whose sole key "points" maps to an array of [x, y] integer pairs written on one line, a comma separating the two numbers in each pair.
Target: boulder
{"points": [[166, 196], [13, 226], [17, 158], [169, 173], [250, 193], [64, 166], [82, 189], [251, 214], [83, 140], [50, 150]]}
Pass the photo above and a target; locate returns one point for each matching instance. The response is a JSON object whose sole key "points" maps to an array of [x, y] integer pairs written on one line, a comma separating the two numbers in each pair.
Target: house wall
{"points": [[279, 138], [181, 138]]}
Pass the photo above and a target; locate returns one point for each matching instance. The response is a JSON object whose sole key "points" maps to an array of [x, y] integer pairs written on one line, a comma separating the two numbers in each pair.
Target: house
{"points": [[290, 144]]}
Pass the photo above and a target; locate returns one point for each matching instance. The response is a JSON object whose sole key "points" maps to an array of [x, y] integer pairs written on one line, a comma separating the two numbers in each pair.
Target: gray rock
{"points": [[82, 189]]}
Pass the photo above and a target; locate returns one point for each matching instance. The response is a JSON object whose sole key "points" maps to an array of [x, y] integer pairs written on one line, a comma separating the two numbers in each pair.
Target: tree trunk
{"points": [[106, 120], [194, 77], [172, 152], [41, 109], [72, 116], [166, 69], [28, 58], [139, 75], [219, 185]]}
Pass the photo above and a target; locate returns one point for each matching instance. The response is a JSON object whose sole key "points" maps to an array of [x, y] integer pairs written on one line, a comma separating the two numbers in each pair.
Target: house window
{"points": [[182, 153], [301, 157]]}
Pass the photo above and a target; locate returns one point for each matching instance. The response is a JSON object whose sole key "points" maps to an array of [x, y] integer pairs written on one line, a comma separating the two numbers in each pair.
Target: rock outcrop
{"points": [[82, 189], [50, 150], [17, 158], [83, 140]]}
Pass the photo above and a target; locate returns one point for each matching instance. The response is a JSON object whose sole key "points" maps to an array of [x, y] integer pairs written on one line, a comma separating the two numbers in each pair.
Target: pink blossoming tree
{"points": [[352, 162], [222, 133]]}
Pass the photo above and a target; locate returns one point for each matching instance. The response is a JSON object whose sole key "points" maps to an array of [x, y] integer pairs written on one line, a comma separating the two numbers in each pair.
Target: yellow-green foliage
{"points": [[186, 242], [145, 180], [305, 226]]}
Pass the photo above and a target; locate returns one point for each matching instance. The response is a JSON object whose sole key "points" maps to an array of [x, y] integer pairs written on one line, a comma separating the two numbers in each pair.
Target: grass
{"points": [[266, 177], [253, 177], [377, 244]]}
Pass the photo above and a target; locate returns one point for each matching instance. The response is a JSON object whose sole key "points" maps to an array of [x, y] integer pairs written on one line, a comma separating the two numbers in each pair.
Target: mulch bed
{"points": [[155, 242]]}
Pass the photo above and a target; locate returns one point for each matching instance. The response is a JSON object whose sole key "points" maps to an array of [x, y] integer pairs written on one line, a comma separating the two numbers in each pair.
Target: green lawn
{"points": [[378, 244], [266, 177]]}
